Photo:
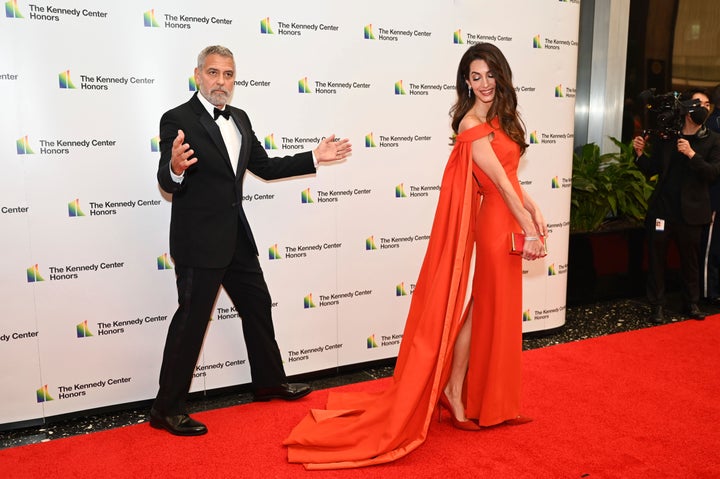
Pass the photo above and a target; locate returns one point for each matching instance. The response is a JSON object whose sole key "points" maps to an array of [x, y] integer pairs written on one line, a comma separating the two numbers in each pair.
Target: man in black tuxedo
{"points": [[680, 203], [206, 147]]}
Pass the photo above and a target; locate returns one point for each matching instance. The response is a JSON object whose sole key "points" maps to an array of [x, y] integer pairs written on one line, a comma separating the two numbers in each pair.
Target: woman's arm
{"points": [[535, 212], [485, 158]]}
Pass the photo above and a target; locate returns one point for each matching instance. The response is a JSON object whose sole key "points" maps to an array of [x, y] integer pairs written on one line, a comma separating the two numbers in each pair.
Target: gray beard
{"points": [[217, 99]]}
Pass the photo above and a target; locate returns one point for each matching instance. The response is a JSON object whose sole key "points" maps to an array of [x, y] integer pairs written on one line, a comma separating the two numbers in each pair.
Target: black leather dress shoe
{"points": [[694, 312], [658, 317], [180, 424], [288, 392]]}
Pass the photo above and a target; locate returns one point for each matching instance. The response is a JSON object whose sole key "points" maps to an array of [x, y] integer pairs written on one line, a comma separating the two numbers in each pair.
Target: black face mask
{"points": [[699, 115]]}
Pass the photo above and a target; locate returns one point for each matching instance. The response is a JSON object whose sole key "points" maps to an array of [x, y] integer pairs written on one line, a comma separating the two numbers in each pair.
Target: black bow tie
{"points": [[217, 112]]}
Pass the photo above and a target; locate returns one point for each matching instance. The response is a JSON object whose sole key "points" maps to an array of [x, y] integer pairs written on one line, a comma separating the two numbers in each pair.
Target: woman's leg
{"points": [[461, 356]]}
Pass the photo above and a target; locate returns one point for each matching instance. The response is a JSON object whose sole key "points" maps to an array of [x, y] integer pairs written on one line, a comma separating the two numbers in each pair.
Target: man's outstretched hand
{"points": [[331, 150], [181, 158]]}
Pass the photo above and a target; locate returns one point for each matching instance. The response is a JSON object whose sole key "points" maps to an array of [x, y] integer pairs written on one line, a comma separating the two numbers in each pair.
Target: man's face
{"points": [[704, 100], [216, 80], [699, 116]]}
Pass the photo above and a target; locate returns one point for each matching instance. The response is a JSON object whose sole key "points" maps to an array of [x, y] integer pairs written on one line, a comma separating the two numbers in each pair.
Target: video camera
{"points": [[666, 113]]}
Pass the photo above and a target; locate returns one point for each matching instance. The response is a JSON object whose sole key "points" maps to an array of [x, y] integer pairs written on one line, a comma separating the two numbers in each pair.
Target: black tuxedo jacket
{"points": [[207, 205], [697, 174]]}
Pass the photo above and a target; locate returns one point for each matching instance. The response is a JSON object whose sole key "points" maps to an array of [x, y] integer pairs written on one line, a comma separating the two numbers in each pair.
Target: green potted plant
{"points": [[609, 200], [608, 190]]}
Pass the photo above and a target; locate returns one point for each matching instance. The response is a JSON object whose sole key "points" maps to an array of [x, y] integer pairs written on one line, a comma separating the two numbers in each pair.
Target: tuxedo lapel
{"points": [[245, 140], [212, 129]]}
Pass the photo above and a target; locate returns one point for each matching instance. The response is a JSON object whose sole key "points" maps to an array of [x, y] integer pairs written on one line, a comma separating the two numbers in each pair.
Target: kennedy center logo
{"points": [[270, 142], [308, 302], [400, 191], [305, 196], [43, 394], [74, 209], [12, 10], [64, 81], [273, 252], [149, 19], [564, 92], [457, 37], [33, 274], [265, 27], [82, 330], [163, 262], [23, 146], [303, 86]]}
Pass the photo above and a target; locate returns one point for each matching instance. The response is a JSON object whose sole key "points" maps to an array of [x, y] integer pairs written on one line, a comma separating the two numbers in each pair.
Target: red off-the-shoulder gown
{"points": [[362, 429]]}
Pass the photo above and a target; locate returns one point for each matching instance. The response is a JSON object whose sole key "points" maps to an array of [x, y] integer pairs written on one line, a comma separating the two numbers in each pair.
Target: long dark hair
{"points": [[504, 106]]}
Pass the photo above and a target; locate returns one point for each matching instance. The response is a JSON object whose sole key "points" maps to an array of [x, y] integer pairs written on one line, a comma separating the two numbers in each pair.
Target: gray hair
{"points": [[213, 50]]}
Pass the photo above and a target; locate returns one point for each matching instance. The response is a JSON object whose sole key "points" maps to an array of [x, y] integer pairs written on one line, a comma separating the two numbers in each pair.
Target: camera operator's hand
{"points": [[683, 147], [639, 145]]}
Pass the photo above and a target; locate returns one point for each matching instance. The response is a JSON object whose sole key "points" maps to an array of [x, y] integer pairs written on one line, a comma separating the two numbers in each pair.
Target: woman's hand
{"points": [[539, 221], [533, 248]]}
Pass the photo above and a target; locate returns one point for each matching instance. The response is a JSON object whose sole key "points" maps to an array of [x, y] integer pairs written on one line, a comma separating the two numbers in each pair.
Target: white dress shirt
{"points": [[231, 137]]}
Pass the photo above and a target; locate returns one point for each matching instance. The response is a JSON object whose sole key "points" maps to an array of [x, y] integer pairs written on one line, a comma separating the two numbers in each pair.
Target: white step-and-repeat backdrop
{"points": [[87, 287]]}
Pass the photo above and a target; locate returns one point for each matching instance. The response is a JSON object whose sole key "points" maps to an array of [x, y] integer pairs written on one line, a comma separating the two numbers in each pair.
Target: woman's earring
{"points": [[469, 92]]}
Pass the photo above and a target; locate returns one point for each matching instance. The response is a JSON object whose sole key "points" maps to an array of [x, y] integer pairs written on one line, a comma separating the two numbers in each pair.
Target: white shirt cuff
{"points": [[176, 178]]}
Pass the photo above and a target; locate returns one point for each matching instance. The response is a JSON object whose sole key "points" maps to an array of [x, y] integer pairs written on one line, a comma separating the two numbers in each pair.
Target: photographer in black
{"points": [[686, 157], [710, 246]]}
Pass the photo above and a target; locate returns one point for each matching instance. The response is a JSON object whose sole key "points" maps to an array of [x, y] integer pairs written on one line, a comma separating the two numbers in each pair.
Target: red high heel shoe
{"points": [[466, 425], [516, 421]]}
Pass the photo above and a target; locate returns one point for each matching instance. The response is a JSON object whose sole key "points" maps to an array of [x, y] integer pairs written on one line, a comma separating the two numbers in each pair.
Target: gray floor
{"points": [[582, 322]]}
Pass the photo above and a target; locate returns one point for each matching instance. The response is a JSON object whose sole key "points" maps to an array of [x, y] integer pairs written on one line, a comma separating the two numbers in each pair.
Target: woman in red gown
{"points": [[467, 356]]}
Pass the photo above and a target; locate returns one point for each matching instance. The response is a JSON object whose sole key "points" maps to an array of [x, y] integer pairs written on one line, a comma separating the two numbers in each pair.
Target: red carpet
{"points": [[641, 404]]}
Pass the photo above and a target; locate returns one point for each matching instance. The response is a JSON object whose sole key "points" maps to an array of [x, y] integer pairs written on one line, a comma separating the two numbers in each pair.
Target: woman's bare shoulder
{"points": [[470, 120]]}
